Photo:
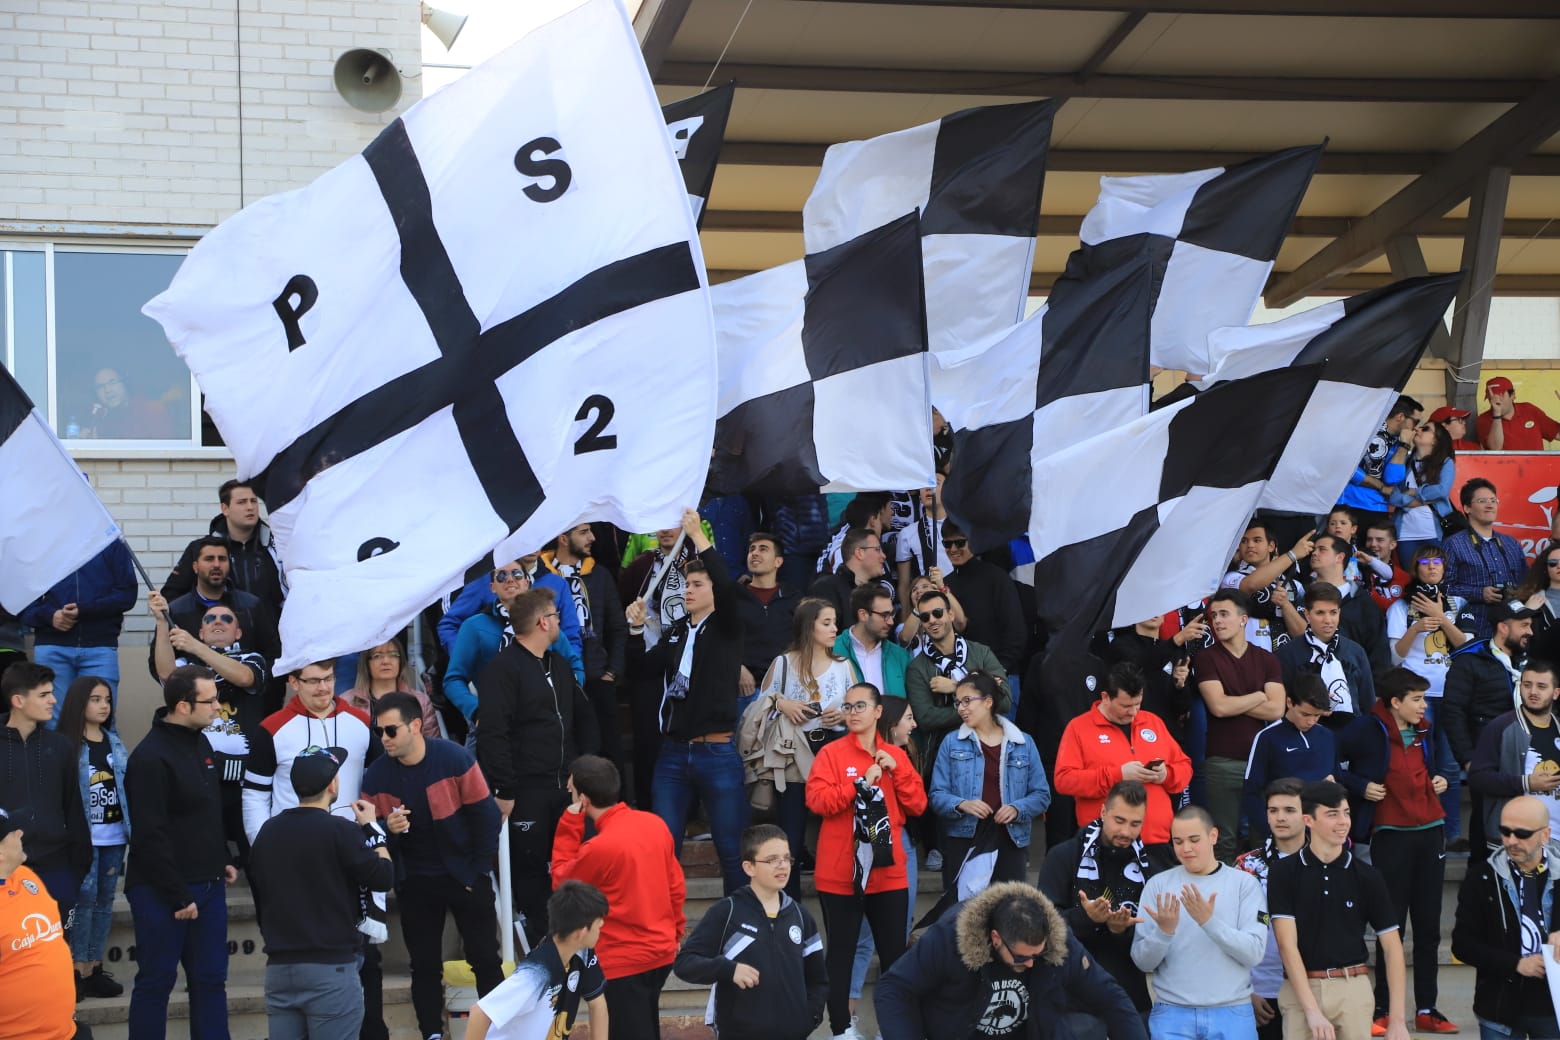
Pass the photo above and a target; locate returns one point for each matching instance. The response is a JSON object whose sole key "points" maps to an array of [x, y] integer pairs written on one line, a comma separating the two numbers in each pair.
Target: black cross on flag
{"points": [[698, 128], [499, 304]]}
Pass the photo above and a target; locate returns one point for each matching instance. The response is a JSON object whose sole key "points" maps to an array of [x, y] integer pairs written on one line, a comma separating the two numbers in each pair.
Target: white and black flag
{"points": [[498, 308], [698, 128], [1370, 345], [1215, 234], [1074, 368], [975, 177], [51, 521], [823, 372], [1153, 509]]}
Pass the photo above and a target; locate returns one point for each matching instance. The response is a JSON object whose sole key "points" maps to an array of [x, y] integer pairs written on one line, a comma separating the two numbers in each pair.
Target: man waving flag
{"points": [[501, 303]]}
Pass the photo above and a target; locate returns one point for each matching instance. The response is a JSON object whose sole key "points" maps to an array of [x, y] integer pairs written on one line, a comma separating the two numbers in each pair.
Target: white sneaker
{"points": [[934, 860], [851, 1033]]}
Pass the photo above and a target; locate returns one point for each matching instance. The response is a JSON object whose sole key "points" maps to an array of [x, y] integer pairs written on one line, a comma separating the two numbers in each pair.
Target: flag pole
{"points": [[136, 560], [666, 565]]}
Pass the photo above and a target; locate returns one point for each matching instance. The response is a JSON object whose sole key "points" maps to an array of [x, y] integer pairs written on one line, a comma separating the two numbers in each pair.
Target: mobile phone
{"points": [[1155, 764]]}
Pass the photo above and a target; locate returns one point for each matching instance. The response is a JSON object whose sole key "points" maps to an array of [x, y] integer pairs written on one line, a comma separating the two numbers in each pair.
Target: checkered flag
{"points": [[1215, 234], [1370, 345], [500, 303], [1168, 497], [698, 128], [823, 372], [975, 177]]}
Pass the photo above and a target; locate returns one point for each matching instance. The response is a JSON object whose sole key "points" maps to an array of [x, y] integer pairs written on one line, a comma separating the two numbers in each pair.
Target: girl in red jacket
{"points": [[884, 898]]}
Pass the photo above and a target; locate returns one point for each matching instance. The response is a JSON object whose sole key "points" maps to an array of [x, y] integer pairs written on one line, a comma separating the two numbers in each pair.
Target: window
{"points": [[76, 340]]}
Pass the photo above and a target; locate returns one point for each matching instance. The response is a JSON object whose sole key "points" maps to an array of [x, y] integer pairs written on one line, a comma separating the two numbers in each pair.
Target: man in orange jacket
{"points": [[1116, 740], [632, 861]]}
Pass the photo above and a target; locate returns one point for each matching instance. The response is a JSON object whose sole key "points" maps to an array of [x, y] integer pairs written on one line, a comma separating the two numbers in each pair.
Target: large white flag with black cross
{"points": [[1370, 345], [1150, 512], [1215, 234], [823, 372], [490, 325], [698, 128], [975, 177], [51, 521]]}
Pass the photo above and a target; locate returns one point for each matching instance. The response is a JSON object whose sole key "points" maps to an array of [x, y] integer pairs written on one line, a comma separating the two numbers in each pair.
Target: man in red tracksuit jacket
{"points": [[633, 862]]}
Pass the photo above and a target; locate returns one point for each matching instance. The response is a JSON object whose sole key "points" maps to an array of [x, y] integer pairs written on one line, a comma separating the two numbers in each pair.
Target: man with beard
{"points": [[1271, 591], [1518, 753], [1166, 665], [1095, 880]]}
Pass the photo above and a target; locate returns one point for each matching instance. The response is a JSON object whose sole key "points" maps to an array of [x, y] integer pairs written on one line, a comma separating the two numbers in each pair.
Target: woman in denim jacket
{"points": [[87, 717], [987, 768]]}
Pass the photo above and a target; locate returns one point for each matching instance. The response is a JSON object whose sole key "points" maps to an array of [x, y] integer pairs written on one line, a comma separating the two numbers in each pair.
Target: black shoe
{"points": [[99, 984]]}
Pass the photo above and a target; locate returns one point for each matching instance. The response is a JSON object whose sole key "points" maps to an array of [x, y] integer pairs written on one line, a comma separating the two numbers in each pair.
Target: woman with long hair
{"points": [[1540, 590], [87, 718], [387, 668], [863, 787], [987, 769], [808, 684], [1425, 496]]}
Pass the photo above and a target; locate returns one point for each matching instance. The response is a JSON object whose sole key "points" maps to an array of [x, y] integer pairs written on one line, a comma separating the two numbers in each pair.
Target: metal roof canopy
{"points": [[1442, 118]]}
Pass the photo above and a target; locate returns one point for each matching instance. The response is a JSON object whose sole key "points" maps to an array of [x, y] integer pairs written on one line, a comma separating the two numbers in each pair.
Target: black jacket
{"points": [[253, 566], [793, 983], [172, 781], [991, 608], [1060, 883], [603, 644], [1294, 658], [310, 868], [1365, 623], [711, 704], [1488, 935], [943, 984], [255, 619], [766, 630], [1478, 688], [529, 729], [42, 775], [836, 588]]}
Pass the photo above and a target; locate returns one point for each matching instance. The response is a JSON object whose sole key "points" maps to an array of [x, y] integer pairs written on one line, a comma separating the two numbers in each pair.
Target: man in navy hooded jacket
{"points": [[76, 623]]}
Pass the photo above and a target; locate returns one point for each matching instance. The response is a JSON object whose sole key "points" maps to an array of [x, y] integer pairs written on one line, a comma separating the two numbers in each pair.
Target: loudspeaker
{"points": [[367, 80], [443, 24]]}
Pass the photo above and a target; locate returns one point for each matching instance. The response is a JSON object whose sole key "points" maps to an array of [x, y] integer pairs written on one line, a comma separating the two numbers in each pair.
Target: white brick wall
{"points": [[130, 113]]}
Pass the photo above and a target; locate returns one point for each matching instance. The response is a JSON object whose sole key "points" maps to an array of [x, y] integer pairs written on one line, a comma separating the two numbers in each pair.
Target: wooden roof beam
{"points": [[1513, 134]]}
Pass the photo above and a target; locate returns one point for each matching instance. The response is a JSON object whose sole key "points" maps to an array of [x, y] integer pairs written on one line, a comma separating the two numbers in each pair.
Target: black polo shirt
{"points": [[1330, 903]]}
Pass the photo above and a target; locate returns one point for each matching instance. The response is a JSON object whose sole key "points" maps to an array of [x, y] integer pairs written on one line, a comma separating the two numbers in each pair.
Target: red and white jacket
{"points": [[831, 793], [1091, 755]]}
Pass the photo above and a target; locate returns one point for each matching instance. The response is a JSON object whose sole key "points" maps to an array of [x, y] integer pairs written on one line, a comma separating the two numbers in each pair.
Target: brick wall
{"points": [[130, 113]]}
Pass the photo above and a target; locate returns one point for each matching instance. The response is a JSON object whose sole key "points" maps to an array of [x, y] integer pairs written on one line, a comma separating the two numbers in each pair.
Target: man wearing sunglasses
{"points": [[991, 608], [1005, 962], [942, 658], [1505, 913]]}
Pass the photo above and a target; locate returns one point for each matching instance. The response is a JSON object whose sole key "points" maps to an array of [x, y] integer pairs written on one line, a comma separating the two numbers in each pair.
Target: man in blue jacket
{"points": [[76, 623], [1001, 964]]}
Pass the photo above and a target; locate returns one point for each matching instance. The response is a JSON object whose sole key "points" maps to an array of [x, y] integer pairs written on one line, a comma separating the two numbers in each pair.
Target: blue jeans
{"points": [[1451, 798], [69, 662], [714, 773], [864, 947], [95, 905], [1230, 1022], [1532, 1027], [162, 944]]}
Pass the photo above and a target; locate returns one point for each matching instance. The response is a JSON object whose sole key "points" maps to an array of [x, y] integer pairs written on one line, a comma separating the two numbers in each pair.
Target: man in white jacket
{"points": [[1201, 959]]}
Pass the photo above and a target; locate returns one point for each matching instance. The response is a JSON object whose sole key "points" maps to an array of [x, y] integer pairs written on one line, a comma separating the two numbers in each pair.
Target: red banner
{"points": [[1527, 483]]}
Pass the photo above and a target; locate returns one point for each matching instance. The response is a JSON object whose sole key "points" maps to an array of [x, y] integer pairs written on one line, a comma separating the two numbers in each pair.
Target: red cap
{"points": [[1500, 384], [1446, 412]]}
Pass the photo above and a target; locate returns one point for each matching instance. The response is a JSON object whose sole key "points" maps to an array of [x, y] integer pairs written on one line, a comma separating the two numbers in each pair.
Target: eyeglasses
{"points": [[886, 615], [317, 681], [935, 614], [515, 575], [393, 730], [385, 655], [218, 619], [775, 861], [965, 702], [550, 614], [872, 548], [955, 543], [1485, 502], [1432, 559], [1019, 959], [110, 382], [1520, 833], [852, 707], [208, 700]]}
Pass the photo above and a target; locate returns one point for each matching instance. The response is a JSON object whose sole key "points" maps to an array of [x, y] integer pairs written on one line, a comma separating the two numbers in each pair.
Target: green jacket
{"points": [[934, 720], [896, 660]]}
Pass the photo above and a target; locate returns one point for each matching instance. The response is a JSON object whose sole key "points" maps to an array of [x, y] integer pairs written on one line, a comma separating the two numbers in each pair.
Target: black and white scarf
{"points": [[373, 921], [508, 636], [571, 573], [951, 666], [874, 833], [1529, 886], [1135, 873], [1324, 658]]}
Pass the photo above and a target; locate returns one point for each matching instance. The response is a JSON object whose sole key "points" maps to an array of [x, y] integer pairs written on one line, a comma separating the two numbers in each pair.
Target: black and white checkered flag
{"points": [[1215, 234], [1370, 344], [51, 521], [1164, 501], [698, 128], [1074, 368], [975, 176], [823, 372], [500, 303]]}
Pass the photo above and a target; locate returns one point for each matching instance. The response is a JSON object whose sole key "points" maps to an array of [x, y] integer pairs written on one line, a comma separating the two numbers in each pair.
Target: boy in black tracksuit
{"points": [[776, 959]]}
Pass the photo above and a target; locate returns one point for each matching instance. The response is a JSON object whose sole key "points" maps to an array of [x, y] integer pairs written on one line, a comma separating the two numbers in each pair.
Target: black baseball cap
{"points": [[1510, 610], [312, 771]]}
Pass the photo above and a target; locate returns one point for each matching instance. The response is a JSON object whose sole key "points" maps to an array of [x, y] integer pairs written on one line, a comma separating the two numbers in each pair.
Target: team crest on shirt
{"points": [[1148, 735], [796, 935], [1104, 738], [573, 982], [1089, 681]]}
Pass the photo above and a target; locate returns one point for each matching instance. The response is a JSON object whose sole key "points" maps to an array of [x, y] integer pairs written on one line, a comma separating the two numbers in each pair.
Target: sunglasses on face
{"points": [[218, 619], [1019, 959], [1553, 561], [392, 730], [1434, 560], [955, 543], [935, 614], [1520, 833], [515, 575]]}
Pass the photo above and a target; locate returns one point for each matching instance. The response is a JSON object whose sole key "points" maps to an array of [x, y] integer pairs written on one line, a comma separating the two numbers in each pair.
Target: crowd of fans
{"points": [[1222, 799]]}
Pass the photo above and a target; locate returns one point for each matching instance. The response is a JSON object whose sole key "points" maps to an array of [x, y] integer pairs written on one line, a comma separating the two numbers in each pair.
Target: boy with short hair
{"points": [[761, 941], [1286, 834], [1293, 746], [539, 1001]]}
